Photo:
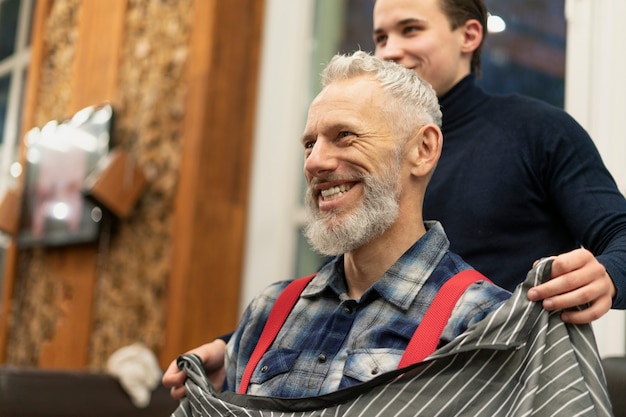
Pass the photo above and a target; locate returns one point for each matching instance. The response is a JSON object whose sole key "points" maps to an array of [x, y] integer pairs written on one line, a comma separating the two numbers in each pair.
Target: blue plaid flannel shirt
{"points": [[330, 341]]}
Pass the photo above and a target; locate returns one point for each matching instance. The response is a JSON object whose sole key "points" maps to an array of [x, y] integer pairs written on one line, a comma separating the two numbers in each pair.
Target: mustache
{"points": [[336, 177]]}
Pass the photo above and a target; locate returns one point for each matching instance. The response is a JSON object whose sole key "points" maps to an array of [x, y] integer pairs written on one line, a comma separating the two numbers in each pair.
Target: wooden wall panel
{"points": [[150, 105], [98, 42], [96, 61], [55, 301], [213, 190], [185, 113]]}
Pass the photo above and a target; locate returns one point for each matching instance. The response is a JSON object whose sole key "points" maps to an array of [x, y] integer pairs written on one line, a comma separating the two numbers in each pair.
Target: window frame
{"points": [[15, 66]]}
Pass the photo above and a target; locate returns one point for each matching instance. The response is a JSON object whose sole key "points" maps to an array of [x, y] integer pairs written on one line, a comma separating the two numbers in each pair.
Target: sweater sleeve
{"points": [[586, 195]]}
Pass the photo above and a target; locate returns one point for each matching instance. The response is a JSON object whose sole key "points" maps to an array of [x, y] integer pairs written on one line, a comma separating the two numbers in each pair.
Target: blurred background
{"points": [[209, 100]]}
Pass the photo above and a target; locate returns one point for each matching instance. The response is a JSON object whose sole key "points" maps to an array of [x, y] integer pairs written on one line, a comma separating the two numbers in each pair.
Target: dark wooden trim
{"points": [[28, 392]]}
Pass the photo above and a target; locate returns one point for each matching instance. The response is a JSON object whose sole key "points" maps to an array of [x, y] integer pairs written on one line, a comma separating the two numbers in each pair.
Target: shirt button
{"points": [[375, 371], [264, 369], [321, 358], [347, 309]]}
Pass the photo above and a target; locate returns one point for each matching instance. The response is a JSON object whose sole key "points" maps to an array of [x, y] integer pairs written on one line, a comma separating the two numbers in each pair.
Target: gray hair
{"points": [[413, 101]]}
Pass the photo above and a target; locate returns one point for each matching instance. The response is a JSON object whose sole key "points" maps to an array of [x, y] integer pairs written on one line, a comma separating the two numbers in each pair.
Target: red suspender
{"points": [[423, 342], [426, 337], [281, 309]]}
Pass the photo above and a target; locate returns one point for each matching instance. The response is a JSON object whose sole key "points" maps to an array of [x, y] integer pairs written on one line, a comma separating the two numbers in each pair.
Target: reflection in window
{"points": [[5, 81], [15, 24], [528, 57], [9, 10]]}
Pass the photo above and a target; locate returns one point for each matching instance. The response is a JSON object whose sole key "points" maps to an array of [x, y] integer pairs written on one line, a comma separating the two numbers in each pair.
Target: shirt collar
{"points": [[401, 283]]}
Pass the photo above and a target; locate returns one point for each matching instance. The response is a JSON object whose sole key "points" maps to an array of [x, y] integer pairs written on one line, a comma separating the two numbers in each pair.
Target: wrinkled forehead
{"points": [[347, 102], [360, 90]]}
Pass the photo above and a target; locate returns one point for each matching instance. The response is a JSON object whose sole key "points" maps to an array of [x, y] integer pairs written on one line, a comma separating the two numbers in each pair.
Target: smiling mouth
{"points": [[334, 192]]}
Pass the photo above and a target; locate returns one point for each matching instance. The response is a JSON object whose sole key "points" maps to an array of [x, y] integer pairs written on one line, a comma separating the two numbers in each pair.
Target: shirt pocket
{"points": [[273, 363], [365, 364]]}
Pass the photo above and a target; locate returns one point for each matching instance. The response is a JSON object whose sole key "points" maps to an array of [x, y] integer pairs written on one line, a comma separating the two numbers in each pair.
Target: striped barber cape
{"points": [[519, 361]]}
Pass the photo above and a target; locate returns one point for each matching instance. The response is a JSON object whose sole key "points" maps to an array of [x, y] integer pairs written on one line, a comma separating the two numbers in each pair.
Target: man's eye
{"points": [[410, 29], [380, 39], [345, 134], [309, 145]]}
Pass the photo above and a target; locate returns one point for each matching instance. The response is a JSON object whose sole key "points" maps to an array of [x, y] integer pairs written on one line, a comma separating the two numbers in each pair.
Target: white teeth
{"points": [[335, 191]]}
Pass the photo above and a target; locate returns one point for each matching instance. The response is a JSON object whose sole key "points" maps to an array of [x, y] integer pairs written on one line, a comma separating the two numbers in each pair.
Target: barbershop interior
{"points": [[151, 172]]}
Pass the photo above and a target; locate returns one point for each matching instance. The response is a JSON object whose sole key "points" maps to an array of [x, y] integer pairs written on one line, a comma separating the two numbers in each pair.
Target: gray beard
{"points": [[335, 233]]}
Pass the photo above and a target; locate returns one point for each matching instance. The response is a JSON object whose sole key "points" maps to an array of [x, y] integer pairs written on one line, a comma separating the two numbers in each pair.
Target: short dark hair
{"points": [[459, 12]]}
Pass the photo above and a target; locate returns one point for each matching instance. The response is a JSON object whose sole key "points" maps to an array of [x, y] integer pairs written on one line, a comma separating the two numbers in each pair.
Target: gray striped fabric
{"points": [[518, 361]]}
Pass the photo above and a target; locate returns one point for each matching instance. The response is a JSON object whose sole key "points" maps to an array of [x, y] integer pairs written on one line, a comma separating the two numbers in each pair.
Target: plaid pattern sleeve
{"points": [[520, 360]]}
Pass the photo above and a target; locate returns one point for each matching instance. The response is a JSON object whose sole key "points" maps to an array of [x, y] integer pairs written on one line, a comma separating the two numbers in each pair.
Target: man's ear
{"points": [[426, 151], [472, 35]]}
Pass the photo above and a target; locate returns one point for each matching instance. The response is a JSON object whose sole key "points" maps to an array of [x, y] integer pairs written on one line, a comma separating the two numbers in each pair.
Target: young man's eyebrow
{"points": [[403, 22]]}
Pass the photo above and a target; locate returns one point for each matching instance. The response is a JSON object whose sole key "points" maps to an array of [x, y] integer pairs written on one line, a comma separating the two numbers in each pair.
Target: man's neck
{"points": [[365, 265]]}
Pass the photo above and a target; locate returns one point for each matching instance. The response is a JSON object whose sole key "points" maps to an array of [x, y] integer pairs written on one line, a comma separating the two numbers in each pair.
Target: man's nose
{"points": [[391, 51], [321, 159]]}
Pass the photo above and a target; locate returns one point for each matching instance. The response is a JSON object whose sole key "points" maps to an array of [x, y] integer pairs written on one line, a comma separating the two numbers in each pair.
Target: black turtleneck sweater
{"points": [[519, 180]]}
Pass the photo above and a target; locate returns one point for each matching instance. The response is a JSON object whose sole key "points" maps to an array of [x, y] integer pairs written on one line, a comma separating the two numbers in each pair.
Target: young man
{"points": [[371, 143], [527, 180]]}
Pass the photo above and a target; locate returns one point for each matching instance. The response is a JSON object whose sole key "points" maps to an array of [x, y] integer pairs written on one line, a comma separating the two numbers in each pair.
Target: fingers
{"points": [[593, 312], [178, 393], [579, 267], [573, 282], [212, 357], [211, 354], [574, 289], [173, 376], [577, 279], [174, 379], [595, 294]]}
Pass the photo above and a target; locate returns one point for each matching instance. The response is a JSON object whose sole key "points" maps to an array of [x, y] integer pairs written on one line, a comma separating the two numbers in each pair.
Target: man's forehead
{"points": [[358, 97], [359, 87], [347, 109], [404, 12]]}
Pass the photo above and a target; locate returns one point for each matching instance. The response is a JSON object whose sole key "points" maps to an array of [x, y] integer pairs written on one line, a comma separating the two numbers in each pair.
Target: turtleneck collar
{"points": [[460, 100]]}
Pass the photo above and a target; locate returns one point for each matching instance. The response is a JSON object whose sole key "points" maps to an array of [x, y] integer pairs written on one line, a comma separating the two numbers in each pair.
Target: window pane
{"points": [[30, 22], [4, 96], [357, 31], [9, 10], [529, 55]]}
